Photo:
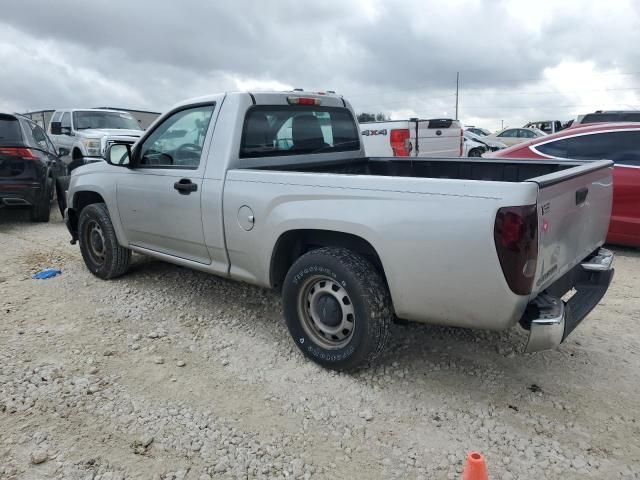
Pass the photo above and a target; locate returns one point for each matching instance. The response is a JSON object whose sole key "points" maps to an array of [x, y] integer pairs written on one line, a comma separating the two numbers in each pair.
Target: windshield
{"points": [[115, 120], [472, 136]]}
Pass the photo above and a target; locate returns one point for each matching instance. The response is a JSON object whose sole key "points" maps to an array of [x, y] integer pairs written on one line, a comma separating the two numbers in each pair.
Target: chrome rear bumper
{"points": [[550, 320]]}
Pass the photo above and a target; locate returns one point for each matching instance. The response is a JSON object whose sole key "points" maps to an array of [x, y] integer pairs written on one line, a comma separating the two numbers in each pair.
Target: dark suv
{"points": [[606, 116], [29, 166]]}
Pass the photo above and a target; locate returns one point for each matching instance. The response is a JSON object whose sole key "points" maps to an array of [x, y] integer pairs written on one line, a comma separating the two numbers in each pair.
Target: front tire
{"points": [[102, 254], [337, 307], [476, 152]]}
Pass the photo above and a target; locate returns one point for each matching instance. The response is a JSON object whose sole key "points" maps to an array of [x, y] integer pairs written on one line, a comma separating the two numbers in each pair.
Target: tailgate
{"points": [[437, 138], [574, 207]]}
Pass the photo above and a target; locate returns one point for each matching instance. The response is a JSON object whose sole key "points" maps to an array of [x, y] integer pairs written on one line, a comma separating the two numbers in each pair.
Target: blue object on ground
{"points": [[47, 273]]}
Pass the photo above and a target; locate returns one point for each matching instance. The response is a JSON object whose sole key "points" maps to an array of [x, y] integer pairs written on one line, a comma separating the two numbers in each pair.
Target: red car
{"points": [[619, 142]]}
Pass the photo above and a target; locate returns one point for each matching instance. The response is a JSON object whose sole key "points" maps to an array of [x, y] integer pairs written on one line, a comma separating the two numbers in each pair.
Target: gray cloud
{"points": [[383, 55]]}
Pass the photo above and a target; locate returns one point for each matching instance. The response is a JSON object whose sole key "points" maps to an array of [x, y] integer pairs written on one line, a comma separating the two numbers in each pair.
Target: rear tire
{"points": [[41, 211], [337, 307], [102, 254], [62, 186]]}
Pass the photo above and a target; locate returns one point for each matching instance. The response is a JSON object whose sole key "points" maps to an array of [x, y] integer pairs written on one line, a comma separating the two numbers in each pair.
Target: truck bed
{"points": [[501, 170]]}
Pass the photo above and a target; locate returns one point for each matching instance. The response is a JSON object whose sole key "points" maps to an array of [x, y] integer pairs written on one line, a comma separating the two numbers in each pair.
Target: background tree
{"points": [[372, 117]]}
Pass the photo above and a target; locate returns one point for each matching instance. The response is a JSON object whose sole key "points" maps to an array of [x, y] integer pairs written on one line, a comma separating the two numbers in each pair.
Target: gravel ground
{"points": [[168, 373]]}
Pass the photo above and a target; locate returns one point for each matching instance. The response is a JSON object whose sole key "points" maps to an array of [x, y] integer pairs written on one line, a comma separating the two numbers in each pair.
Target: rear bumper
{"points": [[549, 319], [19, 194]]}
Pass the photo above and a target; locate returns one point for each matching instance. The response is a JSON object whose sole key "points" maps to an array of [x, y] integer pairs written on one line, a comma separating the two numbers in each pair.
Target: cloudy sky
{"points": [[519, 60]]}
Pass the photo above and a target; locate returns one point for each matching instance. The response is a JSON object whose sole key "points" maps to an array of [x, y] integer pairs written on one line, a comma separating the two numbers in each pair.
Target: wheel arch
{"points": [[80, 200], [292, 244]]}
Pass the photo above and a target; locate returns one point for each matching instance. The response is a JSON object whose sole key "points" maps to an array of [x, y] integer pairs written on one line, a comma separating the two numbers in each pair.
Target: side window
{"points": [[38, 132], [508, 133], [41, 138], [621, 147], [56, 117], [554, 149], [178, 141], [34, 135], [65, 122], [591, 147], [526, 133]]}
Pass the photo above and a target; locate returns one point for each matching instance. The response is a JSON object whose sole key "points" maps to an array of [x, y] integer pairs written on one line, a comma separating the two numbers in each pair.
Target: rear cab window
{"points": [[295, 130]]}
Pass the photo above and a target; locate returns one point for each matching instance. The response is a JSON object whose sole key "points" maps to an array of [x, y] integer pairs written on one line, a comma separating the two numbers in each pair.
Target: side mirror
{"points": [[119, 154], [56, 128], [63, 152]]}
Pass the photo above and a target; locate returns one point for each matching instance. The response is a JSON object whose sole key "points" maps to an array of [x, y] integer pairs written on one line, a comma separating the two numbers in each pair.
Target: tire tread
{"points": [[120, 256], [376, 299]]}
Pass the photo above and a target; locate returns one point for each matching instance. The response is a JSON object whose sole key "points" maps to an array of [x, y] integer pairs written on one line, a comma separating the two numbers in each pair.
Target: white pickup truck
{"points": [[275, 189], [86, 133], [437, 137]]}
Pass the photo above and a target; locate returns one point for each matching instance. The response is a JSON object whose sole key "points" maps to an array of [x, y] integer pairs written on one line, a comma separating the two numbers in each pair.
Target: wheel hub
{"points": [[96, 241], [326, 312], [329, 312]]}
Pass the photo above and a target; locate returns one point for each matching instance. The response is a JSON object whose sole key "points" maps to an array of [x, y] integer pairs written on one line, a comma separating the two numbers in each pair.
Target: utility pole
{"points": [[457, 91], [502, 124]]}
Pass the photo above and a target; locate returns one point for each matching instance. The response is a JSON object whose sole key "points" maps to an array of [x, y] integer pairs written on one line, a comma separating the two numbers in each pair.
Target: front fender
{"points": [[93, 185]]}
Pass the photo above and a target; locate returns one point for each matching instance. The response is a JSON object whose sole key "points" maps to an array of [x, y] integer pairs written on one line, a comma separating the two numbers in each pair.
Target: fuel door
{"points": [[246, 220]]}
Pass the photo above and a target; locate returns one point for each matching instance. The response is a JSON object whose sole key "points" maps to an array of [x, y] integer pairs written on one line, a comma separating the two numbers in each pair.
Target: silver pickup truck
{"points": [[275, 189]]}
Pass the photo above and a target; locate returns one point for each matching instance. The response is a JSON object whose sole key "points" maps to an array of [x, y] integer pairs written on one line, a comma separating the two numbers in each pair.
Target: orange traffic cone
{"points": [[475, 469]]}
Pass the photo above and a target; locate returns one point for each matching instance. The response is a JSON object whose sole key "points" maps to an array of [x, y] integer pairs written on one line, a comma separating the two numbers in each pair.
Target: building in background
{"points": [[144, 117]]}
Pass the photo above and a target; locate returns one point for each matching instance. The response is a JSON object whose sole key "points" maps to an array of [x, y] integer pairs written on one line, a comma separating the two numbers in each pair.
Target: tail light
{"points": [[399, 141], [461, 142], [20, 152], [516, 237]]}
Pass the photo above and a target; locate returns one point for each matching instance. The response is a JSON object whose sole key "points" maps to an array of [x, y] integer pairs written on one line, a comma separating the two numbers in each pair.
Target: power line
{"points": [[502, 81]]}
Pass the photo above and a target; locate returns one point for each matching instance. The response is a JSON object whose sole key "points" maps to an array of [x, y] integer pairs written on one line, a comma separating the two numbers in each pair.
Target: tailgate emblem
{"points": [[544, 209]]}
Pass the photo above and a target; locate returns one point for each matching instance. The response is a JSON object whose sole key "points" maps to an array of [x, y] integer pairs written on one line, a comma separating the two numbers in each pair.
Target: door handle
{"points": [[185, 186], [581, 195]]}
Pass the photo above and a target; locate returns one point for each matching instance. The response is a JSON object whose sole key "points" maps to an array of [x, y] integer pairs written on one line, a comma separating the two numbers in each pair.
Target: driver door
{"points": [[159, 198]]}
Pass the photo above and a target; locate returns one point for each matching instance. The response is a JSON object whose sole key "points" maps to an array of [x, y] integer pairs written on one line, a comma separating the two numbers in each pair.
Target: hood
{"points": [[494, 143], [505, 152], [101, 132]]}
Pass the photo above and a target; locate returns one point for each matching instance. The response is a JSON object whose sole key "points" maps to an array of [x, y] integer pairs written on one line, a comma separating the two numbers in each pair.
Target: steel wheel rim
{"points": [[95, 241], [326, 312]]}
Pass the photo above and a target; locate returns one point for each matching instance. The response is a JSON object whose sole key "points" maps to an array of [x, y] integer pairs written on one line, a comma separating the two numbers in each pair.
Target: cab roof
{"points": [[327, 99]]}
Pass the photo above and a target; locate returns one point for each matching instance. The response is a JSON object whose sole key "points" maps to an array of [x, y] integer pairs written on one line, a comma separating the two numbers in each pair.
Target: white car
{"points": [[492, 145], [513, 136], [472, 147]]}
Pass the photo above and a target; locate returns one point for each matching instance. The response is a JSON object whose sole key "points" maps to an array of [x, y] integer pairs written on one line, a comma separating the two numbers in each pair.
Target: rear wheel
{"points": [[41, 211], [476, 152], [337, 308], [102, 254]]}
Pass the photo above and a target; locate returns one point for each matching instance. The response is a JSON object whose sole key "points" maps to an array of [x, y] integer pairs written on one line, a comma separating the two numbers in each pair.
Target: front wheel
{"points": [[476, 152], [337, 307], [102, 254]]}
